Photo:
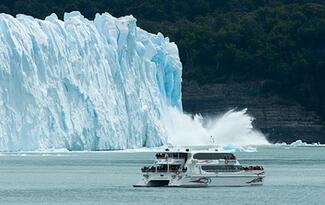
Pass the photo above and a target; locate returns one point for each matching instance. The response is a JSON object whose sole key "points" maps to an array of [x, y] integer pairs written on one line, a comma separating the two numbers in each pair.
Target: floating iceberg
{"points": [[84, 85], [300, 143]]}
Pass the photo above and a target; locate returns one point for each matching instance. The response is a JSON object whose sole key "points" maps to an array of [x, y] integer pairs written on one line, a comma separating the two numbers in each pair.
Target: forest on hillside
{"points": [[278, 42]]}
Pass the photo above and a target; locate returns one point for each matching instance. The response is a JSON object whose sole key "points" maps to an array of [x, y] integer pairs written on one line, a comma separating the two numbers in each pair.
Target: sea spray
{"points": [[233, 127]]}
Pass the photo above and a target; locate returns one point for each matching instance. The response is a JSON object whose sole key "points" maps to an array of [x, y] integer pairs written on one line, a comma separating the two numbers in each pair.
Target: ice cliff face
{"points": [[84, 85]]}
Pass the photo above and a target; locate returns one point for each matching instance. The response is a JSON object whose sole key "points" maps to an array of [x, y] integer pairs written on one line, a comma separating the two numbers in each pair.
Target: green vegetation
{"points": [[279, 42]]}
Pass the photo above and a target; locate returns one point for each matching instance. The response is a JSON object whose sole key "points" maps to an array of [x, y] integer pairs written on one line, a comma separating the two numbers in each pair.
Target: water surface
{"points": [[295, 175]]}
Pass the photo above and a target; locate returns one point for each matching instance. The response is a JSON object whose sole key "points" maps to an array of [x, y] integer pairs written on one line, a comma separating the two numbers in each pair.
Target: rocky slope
{"points": [[279, 119]]}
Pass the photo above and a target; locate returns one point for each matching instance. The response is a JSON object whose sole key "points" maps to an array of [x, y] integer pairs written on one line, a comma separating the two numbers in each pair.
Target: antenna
{"points": [[214, 143]]}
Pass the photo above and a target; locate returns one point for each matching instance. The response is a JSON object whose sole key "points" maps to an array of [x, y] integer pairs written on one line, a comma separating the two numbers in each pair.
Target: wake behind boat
{"points": [[199, 169]]}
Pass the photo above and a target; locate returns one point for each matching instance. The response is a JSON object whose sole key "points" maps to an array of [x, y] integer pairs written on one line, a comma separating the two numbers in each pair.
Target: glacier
{"points": [[80, 84]]}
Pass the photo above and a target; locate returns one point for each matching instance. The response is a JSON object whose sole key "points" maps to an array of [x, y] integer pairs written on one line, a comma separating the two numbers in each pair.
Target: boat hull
{"points": [[222, 181], [219, 180]]}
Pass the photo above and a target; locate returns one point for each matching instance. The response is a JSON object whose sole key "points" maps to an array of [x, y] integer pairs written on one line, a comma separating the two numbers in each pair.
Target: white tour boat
{"points": [[199, 169]]}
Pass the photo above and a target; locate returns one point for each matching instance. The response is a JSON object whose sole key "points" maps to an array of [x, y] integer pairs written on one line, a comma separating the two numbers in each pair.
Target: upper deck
{"points": [[168, 157], [198, 156]]}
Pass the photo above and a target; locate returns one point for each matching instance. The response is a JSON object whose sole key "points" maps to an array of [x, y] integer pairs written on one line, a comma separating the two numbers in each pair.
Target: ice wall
{"points": [[84, 85]]}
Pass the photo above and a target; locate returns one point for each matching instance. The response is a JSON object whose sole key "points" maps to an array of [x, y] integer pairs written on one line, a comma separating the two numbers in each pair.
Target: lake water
{"points": [[295, 175]]}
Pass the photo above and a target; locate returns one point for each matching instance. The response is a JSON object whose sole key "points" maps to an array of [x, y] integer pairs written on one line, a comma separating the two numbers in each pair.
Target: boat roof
{"points": [[194, 151]]}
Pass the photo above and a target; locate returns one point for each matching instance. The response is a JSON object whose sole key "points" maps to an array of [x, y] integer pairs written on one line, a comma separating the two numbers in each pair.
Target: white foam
{"points": [[231, 128]]}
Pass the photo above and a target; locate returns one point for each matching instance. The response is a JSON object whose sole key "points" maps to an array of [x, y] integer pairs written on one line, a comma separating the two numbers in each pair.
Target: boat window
{"points": [[177, 155], [160, 155], [214, 156], [174, 168], [221, 168], [163, 168], [173, 155]]}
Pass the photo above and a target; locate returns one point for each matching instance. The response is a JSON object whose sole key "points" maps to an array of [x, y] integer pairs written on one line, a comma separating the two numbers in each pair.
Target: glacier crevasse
{"points": [[84, 85]]}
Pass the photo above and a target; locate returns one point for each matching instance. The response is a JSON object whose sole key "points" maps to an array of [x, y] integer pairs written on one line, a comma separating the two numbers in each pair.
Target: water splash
{"points": [[233, 127]]}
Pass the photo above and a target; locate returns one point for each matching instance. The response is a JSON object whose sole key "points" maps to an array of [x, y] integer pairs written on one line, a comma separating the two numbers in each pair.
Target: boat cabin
{"points": [[168, 162], [197, 162]]}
